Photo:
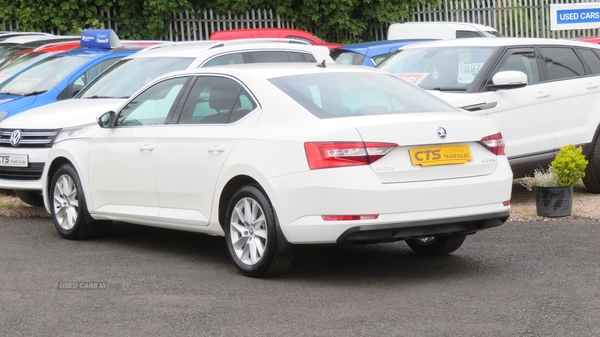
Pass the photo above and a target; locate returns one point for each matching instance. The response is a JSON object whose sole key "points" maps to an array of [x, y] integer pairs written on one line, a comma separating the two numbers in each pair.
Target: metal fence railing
{"points": [[512, 18], [191, 25]]}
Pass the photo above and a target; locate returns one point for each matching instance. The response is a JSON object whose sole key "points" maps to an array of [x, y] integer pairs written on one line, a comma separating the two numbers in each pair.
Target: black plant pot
{"points": [[554, 201]]}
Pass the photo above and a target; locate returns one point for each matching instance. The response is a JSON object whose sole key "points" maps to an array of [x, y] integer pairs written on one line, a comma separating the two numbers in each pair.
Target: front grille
{"points": [[29, 137], [31, 172]]}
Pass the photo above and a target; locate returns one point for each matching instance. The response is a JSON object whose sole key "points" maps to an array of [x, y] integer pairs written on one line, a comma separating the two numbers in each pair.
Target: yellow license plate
{"points": [[440, 155]]}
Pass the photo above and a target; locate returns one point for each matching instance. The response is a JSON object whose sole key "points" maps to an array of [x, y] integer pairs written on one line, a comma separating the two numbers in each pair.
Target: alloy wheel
{"points": [[248, 231], [65, 202]]}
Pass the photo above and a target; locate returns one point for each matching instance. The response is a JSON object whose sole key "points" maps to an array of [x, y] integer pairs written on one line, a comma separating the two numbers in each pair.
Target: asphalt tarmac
{"points": [[520, 279]]}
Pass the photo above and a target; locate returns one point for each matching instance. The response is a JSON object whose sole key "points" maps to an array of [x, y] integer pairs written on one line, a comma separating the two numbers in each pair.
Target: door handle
{"points": [[216, 148], [542, 94], [147, 148], [592, 86]]}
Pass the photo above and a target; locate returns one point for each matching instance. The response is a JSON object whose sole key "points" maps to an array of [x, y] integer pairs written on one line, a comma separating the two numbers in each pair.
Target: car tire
{"points": [[251, 234], [67, 203], [33, 198], [433, 246], [592, 171]]}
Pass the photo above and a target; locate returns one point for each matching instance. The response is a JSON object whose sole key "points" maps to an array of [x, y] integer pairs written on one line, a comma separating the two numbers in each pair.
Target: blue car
{"points": [[370, 53], [62, 75]]}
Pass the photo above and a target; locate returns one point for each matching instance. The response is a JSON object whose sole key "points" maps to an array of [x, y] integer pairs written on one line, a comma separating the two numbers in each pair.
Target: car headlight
{"points": [[3, 115], [70, 132]]}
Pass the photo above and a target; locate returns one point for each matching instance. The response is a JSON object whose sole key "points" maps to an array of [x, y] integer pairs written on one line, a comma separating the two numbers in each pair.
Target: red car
{"points": [[595, 40], [271, 33]]}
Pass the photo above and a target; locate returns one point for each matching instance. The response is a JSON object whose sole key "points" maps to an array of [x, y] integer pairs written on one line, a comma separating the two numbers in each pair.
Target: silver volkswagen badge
{"points": [[441, 132], [15, 137]]}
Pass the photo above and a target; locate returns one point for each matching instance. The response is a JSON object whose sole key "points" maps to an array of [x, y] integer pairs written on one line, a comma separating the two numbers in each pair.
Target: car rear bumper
{"points": [[401, 231], [401, 210]]}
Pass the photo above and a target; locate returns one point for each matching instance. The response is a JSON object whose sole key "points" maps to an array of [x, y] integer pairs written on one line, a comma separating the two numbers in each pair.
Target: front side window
{"points": [[524, 62], [378, 58], [139, 72], [153, 105], [216, 100], [236, 58], [438, 68], [43, 75], [357, 94], [561, 63]]}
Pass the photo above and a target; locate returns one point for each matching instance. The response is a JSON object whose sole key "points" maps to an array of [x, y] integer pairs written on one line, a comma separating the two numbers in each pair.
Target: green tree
{"points": [[343, 21]]}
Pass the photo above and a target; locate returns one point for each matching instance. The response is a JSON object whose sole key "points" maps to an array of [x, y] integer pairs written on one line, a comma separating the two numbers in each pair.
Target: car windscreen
{"points": [[127, 76], [43, 75], [347, 94], [438, 68], [21, 63], [346, 57]]}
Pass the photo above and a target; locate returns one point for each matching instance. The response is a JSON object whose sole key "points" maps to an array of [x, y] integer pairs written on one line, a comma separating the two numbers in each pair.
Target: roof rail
{"points": [[179, 43], [257, 40]]}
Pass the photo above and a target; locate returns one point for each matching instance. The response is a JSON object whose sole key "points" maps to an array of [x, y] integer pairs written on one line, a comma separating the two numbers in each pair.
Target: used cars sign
{"points": [[575, 16]]}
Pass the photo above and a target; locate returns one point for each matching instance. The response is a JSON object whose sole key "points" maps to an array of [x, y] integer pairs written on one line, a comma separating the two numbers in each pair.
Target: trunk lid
{"points": [[457, 155]]}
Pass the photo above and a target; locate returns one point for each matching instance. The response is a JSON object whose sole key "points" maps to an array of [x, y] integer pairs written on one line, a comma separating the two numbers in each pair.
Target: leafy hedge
{"points": [[333, 20]]}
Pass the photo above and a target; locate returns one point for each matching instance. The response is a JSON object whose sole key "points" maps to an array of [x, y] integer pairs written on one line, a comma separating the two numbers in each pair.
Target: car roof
{"points": [[379, 45], [191, 49], [500, 42], [31, 38], [450, 23], [92, 52], [273, 70], [291, 30]]}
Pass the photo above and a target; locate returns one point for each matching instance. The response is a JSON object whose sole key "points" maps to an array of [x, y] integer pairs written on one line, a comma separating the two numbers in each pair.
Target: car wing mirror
{"points": [[508, 80], [106, 120]]}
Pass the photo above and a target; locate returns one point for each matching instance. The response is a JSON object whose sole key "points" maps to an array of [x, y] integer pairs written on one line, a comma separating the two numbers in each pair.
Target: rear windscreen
{"points": [[332, 95]]}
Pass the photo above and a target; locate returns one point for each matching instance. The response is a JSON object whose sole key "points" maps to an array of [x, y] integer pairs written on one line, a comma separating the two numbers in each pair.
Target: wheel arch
{"points": [[54, 165], [235, 183]]}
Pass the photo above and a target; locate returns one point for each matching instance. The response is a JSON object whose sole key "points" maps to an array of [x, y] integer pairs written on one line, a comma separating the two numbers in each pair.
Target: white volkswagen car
{"points": [[26, 139], [276, 156], [542, 93]]}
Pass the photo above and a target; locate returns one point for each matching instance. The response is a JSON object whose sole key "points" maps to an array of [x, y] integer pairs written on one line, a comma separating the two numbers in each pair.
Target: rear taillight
{"points": [[338, 154], [495, 143]]}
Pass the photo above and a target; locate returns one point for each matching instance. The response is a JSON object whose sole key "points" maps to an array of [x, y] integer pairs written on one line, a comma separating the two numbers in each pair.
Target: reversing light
{"points": [[338, 154], [495, 143], [349, 217]]}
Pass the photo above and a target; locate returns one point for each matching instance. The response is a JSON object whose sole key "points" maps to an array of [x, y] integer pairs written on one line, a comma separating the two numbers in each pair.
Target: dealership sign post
{"points": [[575, 16]]}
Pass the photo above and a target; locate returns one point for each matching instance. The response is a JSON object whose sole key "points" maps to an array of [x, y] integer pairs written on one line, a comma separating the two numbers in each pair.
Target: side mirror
{"points": [[106, 120], [508, 80]]}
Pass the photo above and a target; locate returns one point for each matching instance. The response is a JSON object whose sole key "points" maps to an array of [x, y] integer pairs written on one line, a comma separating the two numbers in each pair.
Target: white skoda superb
{"points": [[272, 157]]}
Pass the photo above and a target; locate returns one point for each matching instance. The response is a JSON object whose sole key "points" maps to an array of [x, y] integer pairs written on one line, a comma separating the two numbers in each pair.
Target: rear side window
{"points": [[216, 100], [591, 59], [561, 63], [357, 94], [466, 34], [302, 57], [347, 58]]}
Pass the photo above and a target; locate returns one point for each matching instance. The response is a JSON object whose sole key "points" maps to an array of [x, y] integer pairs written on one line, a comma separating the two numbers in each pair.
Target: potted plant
{"points": [[554, 186]]}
